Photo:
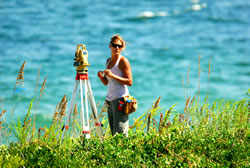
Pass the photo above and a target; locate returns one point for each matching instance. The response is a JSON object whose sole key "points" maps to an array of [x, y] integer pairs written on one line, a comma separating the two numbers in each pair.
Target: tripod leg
{"points": [[85, 128], [87, 110], [71, 107], [94, 111]]}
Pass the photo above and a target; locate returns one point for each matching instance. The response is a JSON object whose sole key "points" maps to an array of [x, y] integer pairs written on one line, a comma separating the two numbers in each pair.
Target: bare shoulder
{"points": [[124, 61]]}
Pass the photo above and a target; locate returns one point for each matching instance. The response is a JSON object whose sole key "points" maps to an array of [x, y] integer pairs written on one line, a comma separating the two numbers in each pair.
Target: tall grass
{"points": [[203, 135], [1, 120], [37, 103], [19, 80]]}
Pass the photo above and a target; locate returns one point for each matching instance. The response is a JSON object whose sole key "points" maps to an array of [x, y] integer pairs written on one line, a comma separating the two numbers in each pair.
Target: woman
{"points": [[117, 76]]}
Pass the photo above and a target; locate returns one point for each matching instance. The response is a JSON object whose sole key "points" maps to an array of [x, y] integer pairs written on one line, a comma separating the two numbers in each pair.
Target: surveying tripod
{"points": [[82, 77]]}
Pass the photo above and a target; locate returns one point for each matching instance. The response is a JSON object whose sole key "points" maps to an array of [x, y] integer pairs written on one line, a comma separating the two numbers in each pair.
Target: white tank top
{"points": [[115, 89]]}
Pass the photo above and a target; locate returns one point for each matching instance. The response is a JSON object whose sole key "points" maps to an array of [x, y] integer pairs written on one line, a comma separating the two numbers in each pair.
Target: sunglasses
{"points": [[116, 45]]}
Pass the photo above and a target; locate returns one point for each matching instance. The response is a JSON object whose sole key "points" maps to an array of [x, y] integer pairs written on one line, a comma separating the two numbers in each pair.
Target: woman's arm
{"points": [[124, 65], [104, 80]]}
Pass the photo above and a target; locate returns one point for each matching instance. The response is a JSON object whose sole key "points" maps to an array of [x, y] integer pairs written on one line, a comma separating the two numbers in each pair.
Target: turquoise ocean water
{"points": [[165, 39]]}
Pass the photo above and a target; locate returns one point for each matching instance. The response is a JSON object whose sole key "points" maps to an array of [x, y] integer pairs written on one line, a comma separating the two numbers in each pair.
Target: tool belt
{"points": [[130, 104]]}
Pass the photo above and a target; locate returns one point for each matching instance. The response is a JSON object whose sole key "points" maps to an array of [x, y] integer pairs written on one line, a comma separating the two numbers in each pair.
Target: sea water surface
{"points": [[165, 39]]}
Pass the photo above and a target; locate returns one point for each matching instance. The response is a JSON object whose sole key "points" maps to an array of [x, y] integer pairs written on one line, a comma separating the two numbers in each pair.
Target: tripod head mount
{"points": [[81, 59]]}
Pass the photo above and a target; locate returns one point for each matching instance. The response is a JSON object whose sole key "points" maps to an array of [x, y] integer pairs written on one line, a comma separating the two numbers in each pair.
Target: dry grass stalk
{"points": [[190, 104], [39, 131], [26, 119], [19, 80], [20, 75], [75, 112], [168, 113], [26, 124], [209, 70], [181, 118], [62, 107], [160, 122], [186, 106], [199, 78], [90, 119], [1, 122], [75, 115], [148, 123], [41, 93], [37, 79], [55, 116], [2, 113], [104, 108], [191, 101], [183, 86], [98, 104], [34, 120], [62, 102], [43, 87], [155, 123], [157, 102], [188, 77]]}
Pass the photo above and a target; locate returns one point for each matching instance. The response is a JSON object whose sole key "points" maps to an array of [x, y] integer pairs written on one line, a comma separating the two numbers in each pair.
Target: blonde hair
{"points": [[117, 36]]}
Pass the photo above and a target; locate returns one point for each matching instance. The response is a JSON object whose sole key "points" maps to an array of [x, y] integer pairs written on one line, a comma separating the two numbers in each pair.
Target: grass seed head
{"points": [[55, 116], [157, 102], [2, 113], [43, 86], [75, 113], [20, 75], [62, 107]]}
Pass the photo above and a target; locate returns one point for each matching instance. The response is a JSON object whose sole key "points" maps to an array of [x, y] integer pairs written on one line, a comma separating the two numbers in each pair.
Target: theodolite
{"points": [[81, 59]]}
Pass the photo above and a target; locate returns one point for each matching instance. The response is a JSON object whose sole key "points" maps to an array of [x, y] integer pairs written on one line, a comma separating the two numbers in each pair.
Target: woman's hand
{"points": [[100, 74], [108, 73]]}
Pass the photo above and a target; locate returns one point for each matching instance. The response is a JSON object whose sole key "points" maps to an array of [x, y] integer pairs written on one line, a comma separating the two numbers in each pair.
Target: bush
{"points": [[208, 137]]}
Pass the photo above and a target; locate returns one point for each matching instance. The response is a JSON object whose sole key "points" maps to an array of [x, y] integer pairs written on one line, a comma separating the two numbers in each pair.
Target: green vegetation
{"points": [[215, 136], [204, 135]]}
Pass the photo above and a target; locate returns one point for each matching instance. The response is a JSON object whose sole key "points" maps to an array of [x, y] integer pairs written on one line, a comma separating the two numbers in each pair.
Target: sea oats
{"points": [[181, 118], [62, 107], [75, 112], [188, 77], [160, 122], [199, 78], [19, 80], [55, 116], [182, 80], [157, 102], [186, 106], [2, 113], [62, 102], [74, 121], [209, 70], [41, 93], [20, 76], [148, 123], [155, 122], [104, 108], [39, 131], [43, 86]]}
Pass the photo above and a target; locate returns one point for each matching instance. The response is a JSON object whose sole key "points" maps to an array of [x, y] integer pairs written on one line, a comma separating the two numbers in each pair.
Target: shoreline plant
{"points": [[204, 135], [216, 136]]}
